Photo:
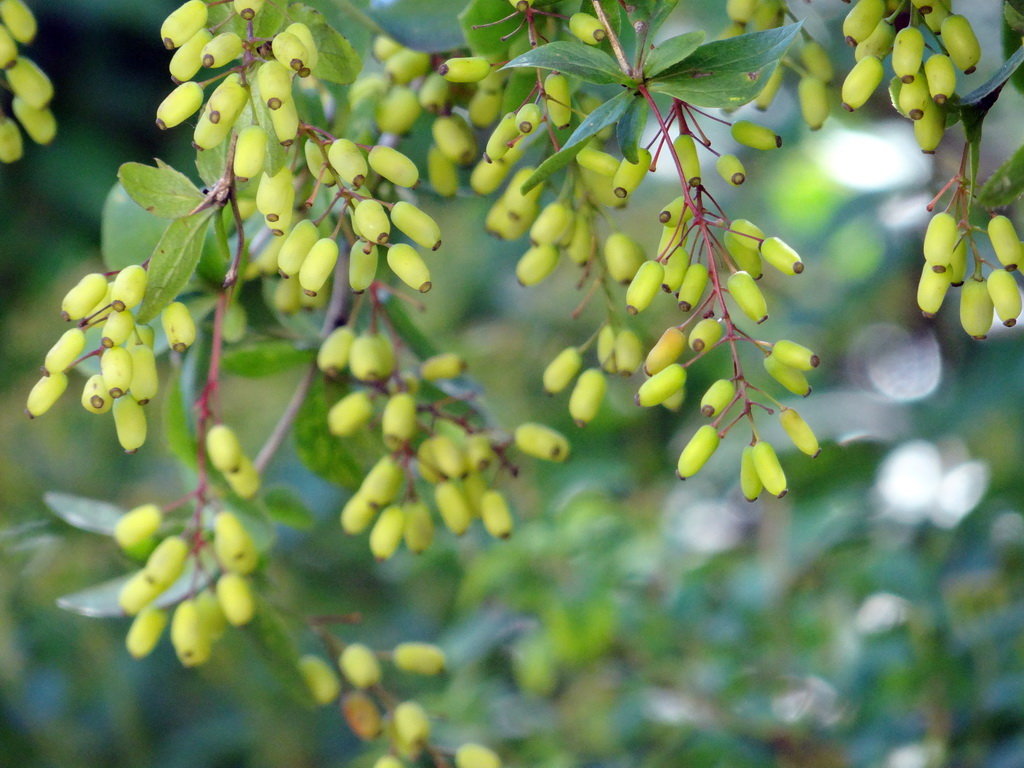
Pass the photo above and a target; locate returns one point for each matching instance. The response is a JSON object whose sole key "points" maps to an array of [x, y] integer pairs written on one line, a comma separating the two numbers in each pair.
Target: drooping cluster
{"points": [[31, 87]]}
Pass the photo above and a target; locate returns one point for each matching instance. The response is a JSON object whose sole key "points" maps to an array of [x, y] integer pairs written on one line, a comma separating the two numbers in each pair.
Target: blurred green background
{"points": [[873, 617]]}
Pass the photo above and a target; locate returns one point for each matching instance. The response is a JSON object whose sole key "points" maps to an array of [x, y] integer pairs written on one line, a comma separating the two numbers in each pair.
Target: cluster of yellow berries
{"points": [[947, 243], [423, 442], [405, 725], [200, 614], [104, 311], [32, 89], [924, 81]]}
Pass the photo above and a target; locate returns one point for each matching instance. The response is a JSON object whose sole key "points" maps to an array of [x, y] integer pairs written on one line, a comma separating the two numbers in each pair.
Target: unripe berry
{"points": [[441, 172], [629, 175], [454, 506], [447, 365], [961, 43], [750, 482], [421, 658], [536, 264], [350, 413], [8, 48], [551, 226], [406, 65], [362, 265], [11, 147], [541, 442], [958, 263], [398, 111], [384, 47], [718, 397], [361, 715], [878, 44], [359, 665], [116, 368], [62, 354], [940, 238], [914, 98], [248, 9], [357, 514], [791, 378], [675, 270], [497, 519], [45, 393], [274, 81], [697, 451], [416, 225], [686, 150], [1005, 295], [39, 124], [191, 642], [305, 36], [930, 129], [419, 527], [665, 351], [1005, 242], [233, 545], [138, 592], [740, 11], [137, 525], [691, 290], [731, 169], [587, 396], [558, 100], [407, 264], [769, 470], [755, 136], [182, 23], [370, 221], [471, 69], [128, 288], [862, 20], [587, 28], [562, 370], [412, 728], [18, 19], [623, 256], [748, 296], [318, 675], [628, 353], [372, 358], [398, 422], [245, 481], [813, 95], [166, 563], [817, 61], [188, 59], [291, 52], [705, 334], [484, 107], [795, 355], [941, 77], [223, 448], [178, 325], [770, 90], [235, 598], [907, 53], [95, 397], [476, 756], [145, 631], [931, 290], [225, 47], [348, 161], [661, 386], [861, 82], [222, 109], [976, 309], [593, 159], [435, 94], [83, 296], [285, 122], [29, 83], [454, 138], [382, 482], [250, 152], [799, 432], [117, 329], [332, 356]]}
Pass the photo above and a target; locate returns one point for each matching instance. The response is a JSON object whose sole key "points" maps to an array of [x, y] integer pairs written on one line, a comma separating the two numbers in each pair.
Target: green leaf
{"points": [[1006, 184], [727, 73], [269, 632], [86, 514], [985, 95], [210, 162], [672, 51], [337, 60], [518, 87], [173, 261], [127, 233], [318, 449], [255, 520], [580, 59], [659, 13], [408, 329], [265, 358], [162, 191], [425, 25], [600, 118], [285, 506], [630, 127], [484, 36]]}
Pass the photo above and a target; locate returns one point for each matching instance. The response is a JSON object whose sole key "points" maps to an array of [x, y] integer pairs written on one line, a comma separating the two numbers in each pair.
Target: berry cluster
{"points": [[32, 89]]}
